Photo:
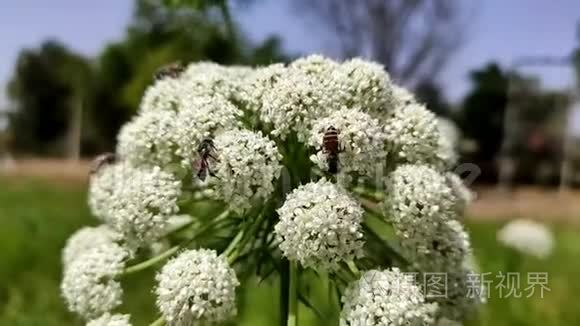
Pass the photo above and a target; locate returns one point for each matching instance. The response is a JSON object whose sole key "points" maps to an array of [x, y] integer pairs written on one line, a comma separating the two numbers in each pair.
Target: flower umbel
{"points": [[277, 170]]}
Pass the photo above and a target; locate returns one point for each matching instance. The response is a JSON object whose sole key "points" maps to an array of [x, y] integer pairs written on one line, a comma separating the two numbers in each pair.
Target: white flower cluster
{"points": [[420, 205], [528, 237], [111, 320], [262, 80], [89, 286], [464, 293], [464, 196], [364, 84], [388, 298], [159, 138], [235, 124], [413, 133], [136, 202], [423, 209], [86, 239], [362, 141], [293, 103], [448, 141], [196, 287], [208, 78], [246, 169], [163, 95], [320, 225]]}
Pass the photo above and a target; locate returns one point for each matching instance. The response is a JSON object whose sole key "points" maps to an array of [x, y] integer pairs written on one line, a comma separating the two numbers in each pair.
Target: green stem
{"points": [[152, 261], [371, 206], [171, 251], [159, 322], [390, 250], [353, 269], [293, 295], [230, 253]]}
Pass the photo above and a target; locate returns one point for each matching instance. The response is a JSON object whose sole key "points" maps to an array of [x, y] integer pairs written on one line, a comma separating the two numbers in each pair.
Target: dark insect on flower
{"points": [[100, 161], [331, 147], [172, 70], [206, 151]]}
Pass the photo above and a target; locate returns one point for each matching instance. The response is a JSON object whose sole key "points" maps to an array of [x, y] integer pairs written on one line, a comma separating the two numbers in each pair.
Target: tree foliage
{"points": [[45, 82], [47, 79]]}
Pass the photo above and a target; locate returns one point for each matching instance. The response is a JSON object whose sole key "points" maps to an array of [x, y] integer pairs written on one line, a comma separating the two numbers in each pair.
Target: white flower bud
{"points": [[320, 226], [196, 287]]}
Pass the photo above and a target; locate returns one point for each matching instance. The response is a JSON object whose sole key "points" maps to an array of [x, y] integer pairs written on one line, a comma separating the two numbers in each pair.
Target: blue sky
{"points": [[500, 30]]}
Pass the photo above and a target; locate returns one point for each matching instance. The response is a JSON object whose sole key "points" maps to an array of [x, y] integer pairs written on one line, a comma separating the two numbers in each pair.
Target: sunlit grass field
{"points": [[36, 218]]}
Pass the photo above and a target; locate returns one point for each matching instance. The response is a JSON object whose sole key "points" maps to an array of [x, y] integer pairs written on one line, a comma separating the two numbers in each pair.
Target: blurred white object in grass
{"points": [[528, 237]]}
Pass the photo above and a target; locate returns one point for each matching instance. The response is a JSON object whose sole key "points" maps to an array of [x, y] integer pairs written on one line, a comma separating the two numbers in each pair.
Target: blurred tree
{"points": [[481, 118], [47, 85], [57, 92], [158, 35], [413, 39], [430, 93]]}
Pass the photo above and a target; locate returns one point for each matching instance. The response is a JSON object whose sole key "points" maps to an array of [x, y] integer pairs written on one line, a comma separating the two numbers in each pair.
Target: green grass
{"points": [[36, 218]]}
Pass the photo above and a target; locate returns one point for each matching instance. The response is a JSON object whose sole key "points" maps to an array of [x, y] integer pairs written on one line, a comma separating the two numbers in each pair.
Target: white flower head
{"points": [[111, 320], [420, 205], [447, 248], [361, 141], [136, 202], [163, 95], [159, 138], [261, 81], [247, 168], [211, 79], [389, 298], [364, 84], [148, 139], [103, 186], [293, 103], [203, 118], [402, 97], [196, 287], [86, 239], [316, 65], [464, 196], [320, 225], [448, 142], [528, 237], [413, 133], [89, 286]]}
